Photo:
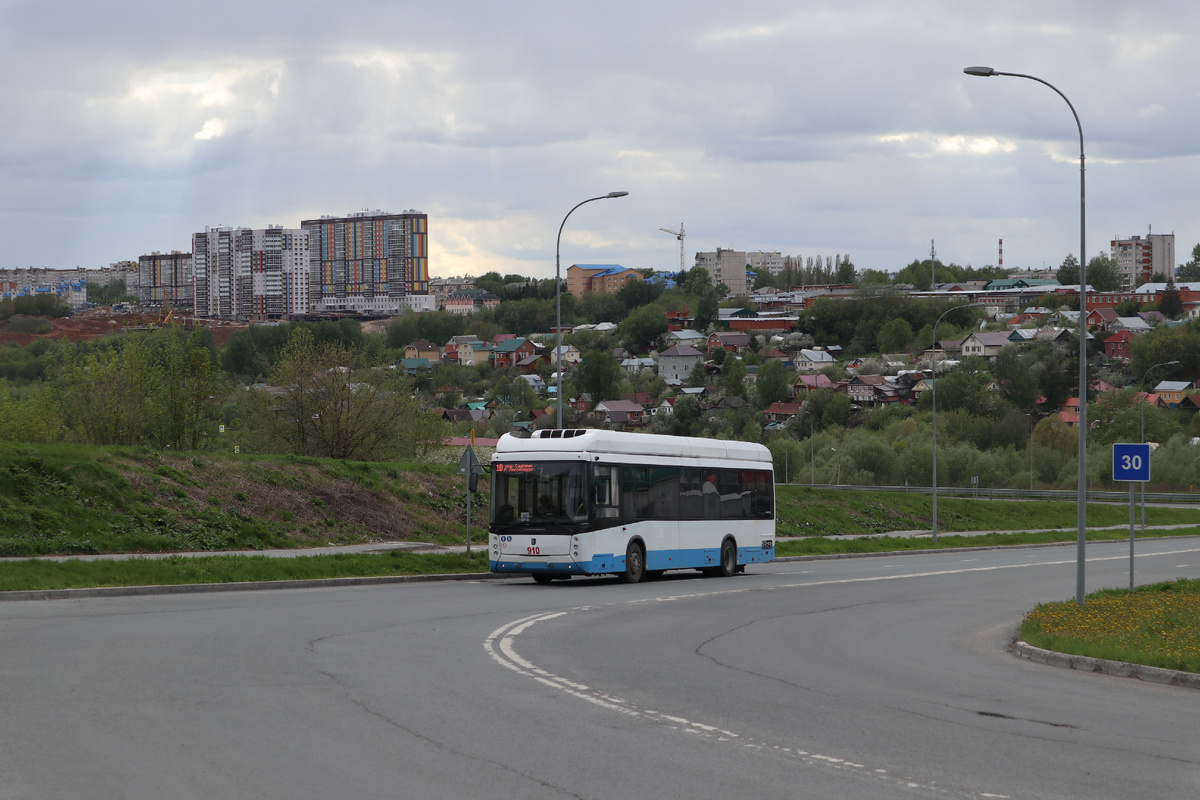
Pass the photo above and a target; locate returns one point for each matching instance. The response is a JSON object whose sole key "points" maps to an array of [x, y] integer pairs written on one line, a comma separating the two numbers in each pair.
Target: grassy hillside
{"points": [[65, 499], [74, 499]]}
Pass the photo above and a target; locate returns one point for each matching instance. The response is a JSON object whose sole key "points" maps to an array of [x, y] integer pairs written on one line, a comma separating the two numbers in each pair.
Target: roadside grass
{"points": [[826, 545], [1157, 626], [37, 574], [805, 511]]}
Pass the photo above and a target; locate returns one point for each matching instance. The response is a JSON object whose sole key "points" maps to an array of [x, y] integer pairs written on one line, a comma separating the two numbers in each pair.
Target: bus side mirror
{"points": [[472, 480]]}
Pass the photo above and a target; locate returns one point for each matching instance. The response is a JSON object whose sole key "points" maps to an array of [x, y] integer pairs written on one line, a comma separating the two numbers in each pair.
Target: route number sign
{"points": [[1131, 462]]}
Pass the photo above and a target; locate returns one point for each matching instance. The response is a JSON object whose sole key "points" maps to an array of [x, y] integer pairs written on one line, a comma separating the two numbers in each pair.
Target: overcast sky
{"points": [[811, 128]]}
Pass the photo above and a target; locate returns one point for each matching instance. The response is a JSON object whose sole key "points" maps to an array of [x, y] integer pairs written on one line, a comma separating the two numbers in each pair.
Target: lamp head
{"points": [[982, 72], [616, 194]]}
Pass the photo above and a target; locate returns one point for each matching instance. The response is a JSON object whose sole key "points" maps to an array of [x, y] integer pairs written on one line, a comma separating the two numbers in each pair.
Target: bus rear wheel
{"points": [[635, 564], [728, 564]]}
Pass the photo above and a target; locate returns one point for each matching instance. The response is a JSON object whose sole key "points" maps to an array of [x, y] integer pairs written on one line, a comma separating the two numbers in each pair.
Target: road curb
{"points": [[246, 586], [1118, 669]]}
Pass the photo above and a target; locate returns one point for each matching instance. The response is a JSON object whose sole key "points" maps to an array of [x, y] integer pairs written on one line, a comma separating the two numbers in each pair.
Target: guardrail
{"points": [[1096, 496]]}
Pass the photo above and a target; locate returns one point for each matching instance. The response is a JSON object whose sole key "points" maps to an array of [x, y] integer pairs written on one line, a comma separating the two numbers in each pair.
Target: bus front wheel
{"points": [[635, 564]]}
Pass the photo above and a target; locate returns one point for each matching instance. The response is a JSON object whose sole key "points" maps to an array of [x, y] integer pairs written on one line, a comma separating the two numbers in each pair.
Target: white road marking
{"points": [[500, 647]]}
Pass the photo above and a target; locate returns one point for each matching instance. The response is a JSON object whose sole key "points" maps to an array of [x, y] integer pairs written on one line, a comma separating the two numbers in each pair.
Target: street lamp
{"points": [[1081, 513], [1142, 438], [558, 298], [933, 394]]}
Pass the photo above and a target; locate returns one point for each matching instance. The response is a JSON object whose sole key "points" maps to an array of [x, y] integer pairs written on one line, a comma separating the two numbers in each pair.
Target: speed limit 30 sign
{"points": [[1131, 462]]}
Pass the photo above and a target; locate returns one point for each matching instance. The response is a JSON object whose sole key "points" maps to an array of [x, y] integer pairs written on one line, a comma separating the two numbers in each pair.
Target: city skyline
{"points": [[809, 129]]}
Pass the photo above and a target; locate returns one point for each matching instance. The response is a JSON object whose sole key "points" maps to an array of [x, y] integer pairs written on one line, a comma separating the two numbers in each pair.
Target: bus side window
{"points": [[691, 500], [604, 492]]}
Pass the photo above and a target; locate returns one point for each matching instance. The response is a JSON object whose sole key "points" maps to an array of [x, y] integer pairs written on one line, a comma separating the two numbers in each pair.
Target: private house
{"points": [[1135, 325], [570, 354], [810, 383], [412, 366], [676, 363], [686, 336], [1117, 345], [471, 353], [535, 382], [781, 412], [530, 363], [621, 412], [863, 390], [450, 349], [985, 345], [1172, 392], [508, 352], [1101, 317], [423, 349], [633, 366], [813, 360], [469, 301], [734, 342]]}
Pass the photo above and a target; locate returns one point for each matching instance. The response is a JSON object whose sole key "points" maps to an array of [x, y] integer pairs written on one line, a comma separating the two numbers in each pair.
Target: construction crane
{"points": [[679, 234]]}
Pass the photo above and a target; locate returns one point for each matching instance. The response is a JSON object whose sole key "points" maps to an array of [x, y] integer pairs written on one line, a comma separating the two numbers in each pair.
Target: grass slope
{"points": [[65, 499]]}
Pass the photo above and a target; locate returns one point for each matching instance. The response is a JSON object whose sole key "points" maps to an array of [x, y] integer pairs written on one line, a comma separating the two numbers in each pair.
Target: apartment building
{"points": [[165, 280], [600, 278], [1139, 258], [727, 267], [368, 262], [243, 273]]}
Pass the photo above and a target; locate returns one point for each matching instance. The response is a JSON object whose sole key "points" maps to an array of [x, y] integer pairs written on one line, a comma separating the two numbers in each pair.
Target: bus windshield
{"points": [[539, 492]]}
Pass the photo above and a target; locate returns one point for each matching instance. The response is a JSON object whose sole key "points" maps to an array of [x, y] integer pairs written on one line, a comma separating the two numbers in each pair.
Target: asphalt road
{"points": [[879, 677]]}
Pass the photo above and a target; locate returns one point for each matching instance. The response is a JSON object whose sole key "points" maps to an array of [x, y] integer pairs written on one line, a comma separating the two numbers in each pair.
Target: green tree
{"points": [[29, 414], [733, 377], [1171, 305], [1103, 274], [324, 406], [772, 383], [895, 336], [642, 328], [707, 309], [104, 393], [186, 399], [1068, 272], [698, 377], [1190, 271], [600, 376]]}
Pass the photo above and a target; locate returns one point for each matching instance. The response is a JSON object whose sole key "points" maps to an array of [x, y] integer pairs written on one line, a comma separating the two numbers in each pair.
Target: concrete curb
{"points": [[247, 586], [1119, 669]]}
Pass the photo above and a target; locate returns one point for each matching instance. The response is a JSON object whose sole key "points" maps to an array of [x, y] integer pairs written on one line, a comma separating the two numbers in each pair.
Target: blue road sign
{"points": [[1131, 462]]}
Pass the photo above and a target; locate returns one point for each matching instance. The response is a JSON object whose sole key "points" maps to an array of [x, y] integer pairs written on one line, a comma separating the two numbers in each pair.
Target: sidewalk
{"points": [[375, 547], [427, 547]]}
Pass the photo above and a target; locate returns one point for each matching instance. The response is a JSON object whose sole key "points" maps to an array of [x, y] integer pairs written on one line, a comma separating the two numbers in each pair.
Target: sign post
{"points": [[469, 465], [1131, 462]]}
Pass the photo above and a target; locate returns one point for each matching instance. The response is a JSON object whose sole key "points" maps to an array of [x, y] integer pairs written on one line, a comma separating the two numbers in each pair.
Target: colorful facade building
{"points": [[368, 262]]}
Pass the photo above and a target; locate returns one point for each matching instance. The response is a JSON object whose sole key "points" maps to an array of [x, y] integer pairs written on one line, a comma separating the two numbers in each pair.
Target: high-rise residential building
{"points": [[1140, 258], [165, 280], [242, 273], [727, 267], [368, 262], [771, 262]]}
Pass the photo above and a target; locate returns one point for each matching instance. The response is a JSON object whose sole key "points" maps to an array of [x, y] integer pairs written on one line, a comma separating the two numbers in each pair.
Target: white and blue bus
{"points": [[591, 502]]}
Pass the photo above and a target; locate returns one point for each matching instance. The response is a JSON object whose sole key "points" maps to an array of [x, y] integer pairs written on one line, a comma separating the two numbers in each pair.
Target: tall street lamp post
{"points": [[1142, 438], [1081, 512], [933, 394], [558, 354]]}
